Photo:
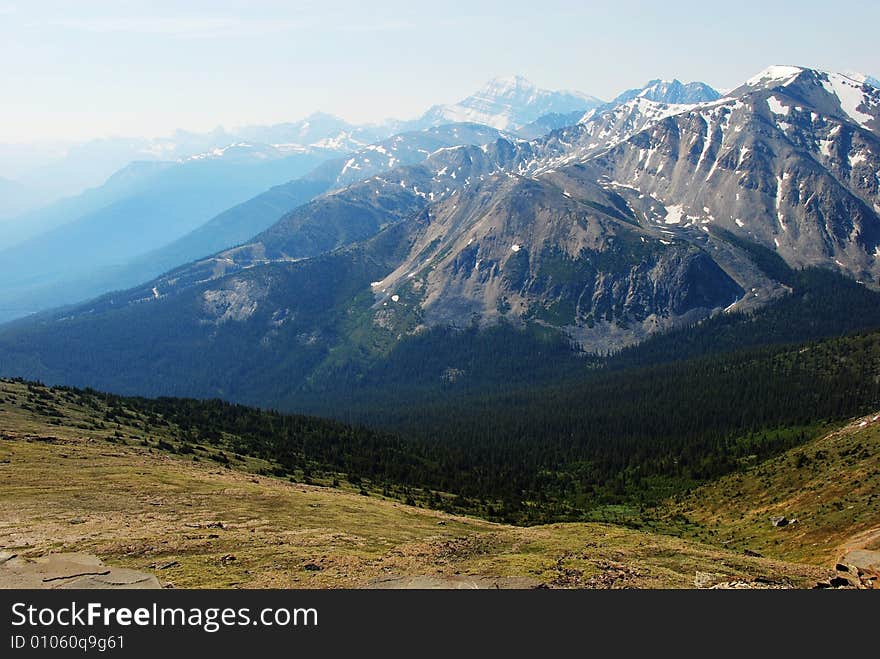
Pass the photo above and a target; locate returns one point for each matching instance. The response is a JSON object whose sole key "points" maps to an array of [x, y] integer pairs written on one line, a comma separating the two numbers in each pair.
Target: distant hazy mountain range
{"points": [[140, 208], [105, 237], [152, 217], [15, 198], [57, 170], [64, 170]]}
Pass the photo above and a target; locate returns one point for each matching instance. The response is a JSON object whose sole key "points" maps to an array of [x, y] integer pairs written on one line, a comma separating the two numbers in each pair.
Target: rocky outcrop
{"points": [[80, 571]]}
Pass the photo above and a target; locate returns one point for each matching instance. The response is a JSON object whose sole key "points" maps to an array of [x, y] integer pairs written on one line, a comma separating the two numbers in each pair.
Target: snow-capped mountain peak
{"points": [[508, 103], [512, 83], [851, 98], [670, 91], [775, 75]]}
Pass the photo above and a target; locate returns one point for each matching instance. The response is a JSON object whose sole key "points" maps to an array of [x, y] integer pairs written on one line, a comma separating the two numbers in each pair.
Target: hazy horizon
{"points": [[139, 69]]}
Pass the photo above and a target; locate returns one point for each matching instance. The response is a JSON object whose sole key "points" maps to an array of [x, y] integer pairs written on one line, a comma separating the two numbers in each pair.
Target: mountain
{"points": [[786, 161], [139, 209], [554, 250], [662, 92], [548, 123], [137, 176], [508, 104], [318, 134], [27, 291], [319, 130], [341, 217], [181, 196], [68, 169], [670, 91], [15, 199], [71, 168], [657, 91], [308, 300], [641, 218], [33, 223], [239, 223]]}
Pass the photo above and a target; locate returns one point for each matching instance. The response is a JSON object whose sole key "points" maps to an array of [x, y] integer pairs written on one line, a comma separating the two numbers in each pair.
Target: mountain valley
{"points": [[542, 340]]}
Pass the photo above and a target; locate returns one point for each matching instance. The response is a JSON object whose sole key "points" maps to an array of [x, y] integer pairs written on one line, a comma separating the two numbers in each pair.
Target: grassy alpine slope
{"points": [[830, 485], [73, 481]]}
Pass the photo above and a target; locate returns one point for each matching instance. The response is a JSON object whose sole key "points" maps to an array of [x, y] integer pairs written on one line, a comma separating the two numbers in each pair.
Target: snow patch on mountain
{"points": [[849, 93], [776, 106], [674, 214], [863, 78]]}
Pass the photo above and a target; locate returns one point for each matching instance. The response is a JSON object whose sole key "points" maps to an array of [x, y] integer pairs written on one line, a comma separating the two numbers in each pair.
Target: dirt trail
{"points": [[869, 539], [861, 555]]}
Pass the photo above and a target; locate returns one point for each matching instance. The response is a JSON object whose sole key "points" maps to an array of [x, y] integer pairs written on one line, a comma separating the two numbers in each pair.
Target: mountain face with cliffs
{"points": [[641, 217]]}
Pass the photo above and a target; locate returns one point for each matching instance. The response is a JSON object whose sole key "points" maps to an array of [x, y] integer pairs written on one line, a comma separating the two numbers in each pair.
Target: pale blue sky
{"points": [[129, 67]]}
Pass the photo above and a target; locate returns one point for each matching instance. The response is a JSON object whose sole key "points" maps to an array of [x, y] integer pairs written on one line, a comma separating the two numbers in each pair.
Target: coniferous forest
{"points": [[603, 435]]}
